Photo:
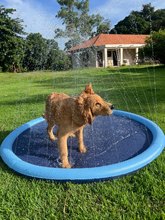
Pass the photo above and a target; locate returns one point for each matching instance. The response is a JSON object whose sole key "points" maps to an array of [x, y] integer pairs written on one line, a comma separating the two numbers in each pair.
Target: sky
{"points": [[39, 15]]}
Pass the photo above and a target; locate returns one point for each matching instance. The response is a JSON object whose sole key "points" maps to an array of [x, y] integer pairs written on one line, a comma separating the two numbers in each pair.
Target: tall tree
{"points": [[158, 20], [41, 53], [103, 27], [52, 53], [141, 22], [35, 52], [11, 42], [79, 25]]}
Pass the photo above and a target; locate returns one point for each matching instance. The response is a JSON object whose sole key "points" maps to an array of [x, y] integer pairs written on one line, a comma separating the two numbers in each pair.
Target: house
{"points": [[108, 50]]}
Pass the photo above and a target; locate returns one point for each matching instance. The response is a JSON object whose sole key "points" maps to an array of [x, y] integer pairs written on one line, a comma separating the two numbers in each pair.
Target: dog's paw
{"points": [[66, 165], [83, 150], [52, 137]]}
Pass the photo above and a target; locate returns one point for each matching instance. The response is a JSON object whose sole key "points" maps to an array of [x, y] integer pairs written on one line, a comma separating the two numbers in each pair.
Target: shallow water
{"points": [[109, 140]]}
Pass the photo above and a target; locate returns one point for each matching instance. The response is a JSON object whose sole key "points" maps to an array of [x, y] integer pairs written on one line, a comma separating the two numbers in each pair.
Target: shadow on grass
{"points": [[34, 99], [62, 85], [4, 167], [79, 80], [126, 98], [7, 170], [138, 69], [133, 89], [3, 135]]}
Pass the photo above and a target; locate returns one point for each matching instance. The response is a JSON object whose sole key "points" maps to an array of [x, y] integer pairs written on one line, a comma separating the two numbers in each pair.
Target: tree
{"points": [[56, 59], [155, 47], [79, 25], [103, 27], [71, 43], [35, 52], [62, 62], [52, 53], [41, 54], [11, 42], [141, 22], [158, 20]]}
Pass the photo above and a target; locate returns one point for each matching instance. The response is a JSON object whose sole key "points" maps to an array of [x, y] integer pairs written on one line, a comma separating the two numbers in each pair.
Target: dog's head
{"points": [[92, 105]]}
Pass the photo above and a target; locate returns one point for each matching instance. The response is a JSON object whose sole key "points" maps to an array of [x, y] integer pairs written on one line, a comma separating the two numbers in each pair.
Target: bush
{"points": [[154, 48]]}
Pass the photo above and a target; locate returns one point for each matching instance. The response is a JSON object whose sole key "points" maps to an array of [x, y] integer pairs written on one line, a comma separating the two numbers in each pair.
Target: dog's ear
{"points": [[89, 89], [89, 117], [84, 107], [87, 110]]}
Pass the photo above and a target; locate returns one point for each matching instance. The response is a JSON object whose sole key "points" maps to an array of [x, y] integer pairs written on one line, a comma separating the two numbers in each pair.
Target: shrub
{"points": [[154, 48]]}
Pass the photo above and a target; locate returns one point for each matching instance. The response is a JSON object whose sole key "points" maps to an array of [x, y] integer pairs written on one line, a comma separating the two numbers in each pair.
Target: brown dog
{"points": [[71, 115]]}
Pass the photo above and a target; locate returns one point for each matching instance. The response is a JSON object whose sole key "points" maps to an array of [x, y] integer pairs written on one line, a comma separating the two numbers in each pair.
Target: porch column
{"points": [[136, 55], [121, 56], [105, 57], [96, 58]]}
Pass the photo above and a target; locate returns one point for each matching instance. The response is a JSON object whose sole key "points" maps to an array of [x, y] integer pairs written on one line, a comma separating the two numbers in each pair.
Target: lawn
{"points": [[137, 196]]}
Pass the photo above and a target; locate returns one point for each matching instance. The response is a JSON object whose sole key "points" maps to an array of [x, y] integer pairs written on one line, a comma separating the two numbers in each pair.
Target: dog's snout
{"points": [[112, 107]]}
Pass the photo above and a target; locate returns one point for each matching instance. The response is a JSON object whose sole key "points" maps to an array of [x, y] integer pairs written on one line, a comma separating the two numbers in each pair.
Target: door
{"points": [[115, 63]]}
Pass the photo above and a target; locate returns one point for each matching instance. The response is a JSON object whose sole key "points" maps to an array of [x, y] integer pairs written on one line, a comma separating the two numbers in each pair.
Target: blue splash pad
{"points": [[109, 140], [117, 145]]}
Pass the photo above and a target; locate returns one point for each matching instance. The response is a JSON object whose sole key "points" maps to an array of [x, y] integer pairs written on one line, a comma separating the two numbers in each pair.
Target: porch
{"points": [[118, 56]]}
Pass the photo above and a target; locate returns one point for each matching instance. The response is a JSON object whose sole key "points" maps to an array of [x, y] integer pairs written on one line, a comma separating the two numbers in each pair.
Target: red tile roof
{"points": [[103, 39]]}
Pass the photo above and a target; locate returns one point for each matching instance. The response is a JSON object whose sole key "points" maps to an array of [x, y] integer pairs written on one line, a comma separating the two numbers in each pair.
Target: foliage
{"points": [[31, 53], [155, 47], [35, 52], [143, 22], [71, 43], [56, 58], [52, 53], [11, 44], [137, 196], [104, 27], [79, 25], [41, 54]]}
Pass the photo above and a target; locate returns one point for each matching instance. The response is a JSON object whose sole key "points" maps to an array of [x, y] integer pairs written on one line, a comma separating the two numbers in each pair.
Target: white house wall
{"points": [[85, 58], [126, 55]]}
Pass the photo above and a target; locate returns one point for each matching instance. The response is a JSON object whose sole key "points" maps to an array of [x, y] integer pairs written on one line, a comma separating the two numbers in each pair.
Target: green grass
{"points": [[137, 196]]}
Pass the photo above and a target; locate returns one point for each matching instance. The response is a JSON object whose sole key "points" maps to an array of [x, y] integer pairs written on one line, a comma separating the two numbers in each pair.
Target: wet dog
{"points": [[71, 114]]}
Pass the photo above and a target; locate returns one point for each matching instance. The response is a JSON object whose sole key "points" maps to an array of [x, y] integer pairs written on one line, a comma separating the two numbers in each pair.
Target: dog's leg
{"points": [[79, 135], [50, 132], [62, 144]]}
